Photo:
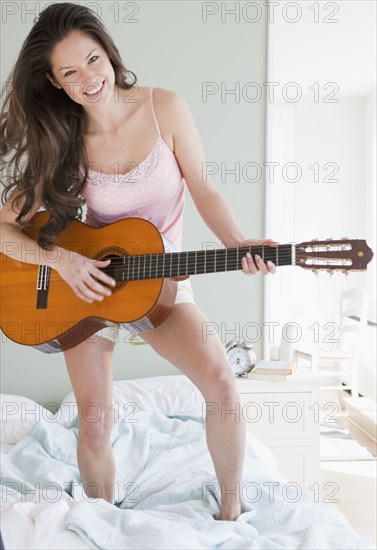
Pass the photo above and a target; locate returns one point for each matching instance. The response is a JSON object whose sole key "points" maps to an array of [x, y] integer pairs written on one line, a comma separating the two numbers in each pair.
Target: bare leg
{"points": [[90, 371], [180, 340]]}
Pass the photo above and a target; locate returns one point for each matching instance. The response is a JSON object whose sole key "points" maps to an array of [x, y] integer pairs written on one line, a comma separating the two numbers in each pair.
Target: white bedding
{"points": [[164, 456]]}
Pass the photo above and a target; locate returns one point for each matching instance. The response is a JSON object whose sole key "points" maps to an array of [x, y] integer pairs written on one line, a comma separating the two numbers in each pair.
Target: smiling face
{"points": [[82, 69]]}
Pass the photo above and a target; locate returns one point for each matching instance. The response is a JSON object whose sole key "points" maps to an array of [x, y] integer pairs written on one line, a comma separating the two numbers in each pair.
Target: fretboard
{"points": [[173, 264]]}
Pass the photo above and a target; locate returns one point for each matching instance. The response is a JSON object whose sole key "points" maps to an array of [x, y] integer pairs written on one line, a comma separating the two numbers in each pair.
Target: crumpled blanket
{"points": [[166, 491]]}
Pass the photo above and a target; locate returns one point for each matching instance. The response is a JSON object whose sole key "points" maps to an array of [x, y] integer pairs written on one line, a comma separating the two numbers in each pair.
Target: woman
{"points": [[70, 107]]}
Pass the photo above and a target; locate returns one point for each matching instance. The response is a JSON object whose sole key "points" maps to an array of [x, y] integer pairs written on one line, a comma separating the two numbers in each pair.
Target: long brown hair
{"points": [[41, 128]]}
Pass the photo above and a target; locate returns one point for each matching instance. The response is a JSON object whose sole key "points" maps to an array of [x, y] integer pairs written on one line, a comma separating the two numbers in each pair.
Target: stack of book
{"points": [[272, 370]]}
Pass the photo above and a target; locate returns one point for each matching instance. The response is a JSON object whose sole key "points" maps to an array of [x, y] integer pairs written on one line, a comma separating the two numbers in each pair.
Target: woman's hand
{"points": [[80, 273], [251, 267]]}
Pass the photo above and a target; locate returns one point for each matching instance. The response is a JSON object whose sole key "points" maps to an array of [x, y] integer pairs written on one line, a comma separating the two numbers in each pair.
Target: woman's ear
{"points": [[53, 82]]}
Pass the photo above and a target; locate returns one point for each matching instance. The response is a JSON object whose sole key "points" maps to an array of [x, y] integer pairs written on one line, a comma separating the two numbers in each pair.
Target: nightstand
{"points": [[285, 416]]}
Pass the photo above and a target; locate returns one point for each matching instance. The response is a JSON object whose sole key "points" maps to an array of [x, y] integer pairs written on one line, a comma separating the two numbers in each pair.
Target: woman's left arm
{"points": [[211, 205]]}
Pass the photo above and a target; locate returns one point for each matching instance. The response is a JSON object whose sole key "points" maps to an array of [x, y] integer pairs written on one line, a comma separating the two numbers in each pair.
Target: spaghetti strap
{"points": [[153, 113]]}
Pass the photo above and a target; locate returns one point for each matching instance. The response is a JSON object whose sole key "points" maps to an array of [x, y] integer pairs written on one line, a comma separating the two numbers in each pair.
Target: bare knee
{"points": [[220, 385], [90, 370]]}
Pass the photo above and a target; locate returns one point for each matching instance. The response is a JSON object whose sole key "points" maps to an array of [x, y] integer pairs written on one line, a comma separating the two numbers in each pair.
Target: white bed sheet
{"points": [[41, 524], [37, 521], [31, 521]]}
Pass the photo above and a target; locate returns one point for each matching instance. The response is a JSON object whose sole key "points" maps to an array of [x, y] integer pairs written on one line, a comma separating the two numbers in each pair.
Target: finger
{"points": [[82, 296], [264, 242], [252, 264], [103, 262], [271, 266], [261, 265], [98, 291], [98, 273], [271, 242], [253, 269], [98, 287], [102, 276], [245, 266], [89, 294], [100, 263]]}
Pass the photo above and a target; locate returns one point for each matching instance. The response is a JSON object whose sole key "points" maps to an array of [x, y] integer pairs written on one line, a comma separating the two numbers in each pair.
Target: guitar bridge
{"points": [[42, 286]]}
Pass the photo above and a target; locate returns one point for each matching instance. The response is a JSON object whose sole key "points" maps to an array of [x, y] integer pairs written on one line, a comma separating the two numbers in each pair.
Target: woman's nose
{"points": [[88, 79]]}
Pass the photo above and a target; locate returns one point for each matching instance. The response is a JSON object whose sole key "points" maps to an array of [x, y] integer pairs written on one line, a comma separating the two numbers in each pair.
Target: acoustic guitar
{"points": [[39, 309]]}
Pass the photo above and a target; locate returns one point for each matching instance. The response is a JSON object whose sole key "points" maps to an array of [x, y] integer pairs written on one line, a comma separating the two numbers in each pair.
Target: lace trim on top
{"points": [[145, 166], [150, 173]]}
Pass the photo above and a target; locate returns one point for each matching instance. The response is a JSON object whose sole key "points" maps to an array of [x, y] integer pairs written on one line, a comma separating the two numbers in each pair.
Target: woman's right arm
{"points": [[77, 270]]}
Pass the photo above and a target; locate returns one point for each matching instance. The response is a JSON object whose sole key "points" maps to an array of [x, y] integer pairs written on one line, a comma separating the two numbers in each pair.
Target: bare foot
{"points": [[230, 514]]}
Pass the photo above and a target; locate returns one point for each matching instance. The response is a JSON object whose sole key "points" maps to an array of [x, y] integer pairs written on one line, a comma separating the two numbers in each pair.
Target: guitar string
{"points": [[238, 267], [191, 259], [161, 276], [212, 261], [198, 256], [166, 276], [197, 260], [232, 265]]}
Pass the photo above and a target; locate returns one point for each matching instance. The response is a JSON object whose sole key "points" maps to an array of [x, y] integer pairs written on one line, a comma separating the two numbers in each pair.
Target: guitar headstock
{"points": [[343, 255]]}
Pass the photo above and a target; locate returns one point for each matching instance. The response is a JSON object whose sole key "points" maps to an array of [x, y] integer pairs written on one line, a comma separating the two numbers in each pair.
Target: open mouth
{"points": [[96, 94]]}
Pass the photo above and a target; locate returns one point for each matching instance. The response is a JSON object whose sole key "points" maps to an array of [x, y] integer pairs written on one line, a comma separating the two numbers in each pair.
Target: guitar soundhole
{"points": [[115, 268]]}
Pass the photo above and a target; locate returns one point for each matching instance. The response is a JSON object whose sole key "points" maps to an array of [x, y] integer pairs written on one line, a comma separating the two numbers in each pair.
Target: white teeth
{"points": [[96, 90]]}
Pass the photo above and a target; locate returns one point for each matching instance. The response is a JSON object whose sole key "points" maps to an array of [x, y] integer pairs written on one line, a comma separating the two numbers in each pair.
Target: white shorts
{"points": [[184, 295]]}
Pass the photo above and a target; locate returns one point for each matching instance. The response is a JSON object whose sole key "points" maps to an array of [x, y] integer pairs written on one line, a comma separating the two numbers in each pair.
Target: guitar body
{"points": [[54, 319]]}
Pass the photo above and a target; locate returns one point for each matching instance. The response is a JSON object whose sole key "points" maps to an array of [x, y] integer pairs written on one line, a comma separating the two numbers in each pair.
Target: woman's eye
{"points": [[95, 57]]}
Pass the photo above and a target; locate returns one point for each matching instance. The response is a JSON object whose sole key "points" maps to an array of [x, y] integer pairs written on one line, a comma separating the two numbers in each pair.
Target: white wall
{"points": [[305, 210], [368, 377], [170, 46], [312, 133]]}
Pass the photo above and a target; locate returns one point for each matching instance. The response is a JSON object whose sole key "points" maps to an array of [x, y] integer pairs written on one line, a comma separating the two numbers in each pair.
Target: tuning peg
{"points": [[345, 271], [330, 239], [344, 238], [330, 271], [315, 271], [313, 240]]}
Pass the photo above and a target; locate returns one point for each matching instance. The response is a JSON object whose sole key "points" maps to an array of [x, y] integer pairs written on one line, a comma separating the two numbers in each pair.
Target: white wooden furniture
{"points": [[352, 323], [285, 416]]}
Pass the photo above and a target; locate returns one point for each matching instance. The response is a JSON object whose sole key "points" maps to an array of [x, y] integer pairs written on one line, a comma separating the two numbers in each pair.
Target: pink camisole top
{"points": [[153, 190]]}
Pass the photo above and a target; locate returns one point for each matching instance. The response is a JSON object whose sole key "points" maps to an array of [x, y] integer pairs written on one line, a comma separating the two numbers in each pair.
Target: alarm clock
{"points": [[241, 357]]}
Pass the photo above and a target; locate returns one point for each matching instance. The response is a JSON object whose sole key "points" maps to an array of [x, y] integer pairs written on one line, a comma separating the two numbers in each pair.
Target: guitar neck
{"points": [[174, 264]]}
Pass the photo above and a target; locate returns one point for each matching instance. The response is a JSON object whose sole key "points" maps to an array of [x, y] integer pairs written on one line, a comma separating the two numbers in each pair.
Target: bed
{"points": [[166, 493]]}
